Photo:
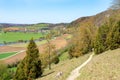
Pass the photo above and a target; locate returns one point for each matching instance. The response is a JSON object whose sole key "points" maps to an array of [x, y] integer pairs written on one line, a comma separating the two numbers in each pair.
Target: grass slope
{"points": [[65, 65], [5, 55], [105, 66], [15, 36]]}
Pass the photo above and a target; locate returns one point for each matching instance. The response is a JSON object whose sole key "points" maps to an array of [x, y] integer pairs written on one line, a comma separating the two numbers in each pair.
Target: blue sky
{"points": [[49, 11]]}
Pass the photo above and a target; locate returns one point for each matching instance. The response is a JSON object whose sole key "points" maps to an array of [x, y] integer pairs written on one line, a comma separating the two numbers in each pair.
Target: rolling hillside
{"points": [[105, 66], [97, 19], [102, 67]]}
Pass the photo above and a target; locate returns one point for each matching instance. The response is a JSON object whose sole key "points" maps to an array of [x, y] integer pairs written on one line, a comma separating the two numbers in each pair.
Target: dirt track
{"points": [[59, 42], [75, 73]]}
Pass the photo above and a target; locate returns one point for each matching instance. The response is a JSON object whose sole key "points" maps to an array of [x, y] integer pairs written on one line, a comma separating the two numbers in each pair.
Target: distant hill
{"points": [[12, 25], [97, 19], [49, 25]]}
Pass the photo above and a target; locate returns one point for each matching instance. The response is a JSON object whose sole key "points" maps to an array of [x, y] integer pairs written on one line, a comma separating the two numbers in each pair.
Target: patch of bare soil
{"points": [[59, 43], [10, 49]]}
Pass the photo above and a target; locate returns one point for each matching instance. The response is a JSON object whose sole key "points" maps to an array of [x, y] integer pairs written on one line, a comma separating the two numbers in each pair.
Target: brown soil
{"points": [[10, 49], [59, 43]]}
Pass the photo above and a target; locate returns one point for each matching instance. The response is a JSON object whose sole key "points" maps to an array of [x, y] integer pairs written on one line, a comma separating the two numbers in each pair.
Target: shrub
{"points": [[5, 73]]}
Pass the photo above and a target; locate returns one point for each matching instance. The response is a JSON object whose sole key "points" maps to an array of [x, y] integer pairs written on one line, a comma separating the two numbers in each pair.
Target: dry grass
{"points": [[65, 66], [105, 66]]}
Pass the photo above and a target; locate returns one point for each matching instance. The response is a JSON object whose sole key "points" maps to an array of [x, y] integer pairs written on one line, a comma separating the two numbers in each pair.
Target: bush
{"points": [[56, 60], [5, 73], [13, 64]]}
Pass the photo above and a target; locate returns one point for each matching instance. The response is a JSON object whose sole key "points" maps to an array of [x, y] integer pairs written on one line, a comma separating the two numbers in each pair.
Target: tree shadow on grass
{"points": [[47, 73]]}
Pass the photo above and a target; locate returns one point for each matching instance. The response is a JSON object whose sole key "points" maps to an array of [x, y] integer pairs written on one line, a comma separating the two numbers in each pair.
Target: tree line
{"points": [[87, 36]]}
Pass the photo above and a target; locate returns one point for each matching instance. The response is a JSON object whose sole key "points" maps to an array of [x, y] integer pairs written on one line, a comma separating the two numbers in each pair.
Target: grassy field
{"points": [[105, 66], [15, 36], [65, 65], [26, 44], [5, 55]]}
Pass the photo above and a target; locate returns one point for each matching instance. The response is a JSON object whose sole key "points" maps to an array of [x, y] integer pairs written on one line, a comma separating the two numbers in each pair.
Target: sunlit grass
{"points": [[15, 36], [105, 66], [5, 55], [66, 66]]}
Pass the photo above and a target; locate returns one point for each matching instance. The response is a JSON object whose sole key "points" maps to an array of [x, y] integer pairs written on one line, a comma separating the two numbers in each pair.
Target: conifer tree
{"points": [[99, 44], [30, 67], [113, 38]]}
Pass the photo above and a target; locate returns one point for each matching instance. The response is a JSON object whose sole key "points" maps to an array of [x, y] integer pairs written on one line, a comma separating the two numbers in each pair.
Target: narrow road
{"points": [[75, 73]]}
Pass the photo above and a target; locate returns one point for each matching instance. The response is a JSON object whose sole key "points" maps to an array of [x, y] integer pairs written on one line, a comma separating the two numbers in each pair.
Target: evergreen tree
{"points": [[113, 38], [30, 66], [108, 36], [99, 44]]}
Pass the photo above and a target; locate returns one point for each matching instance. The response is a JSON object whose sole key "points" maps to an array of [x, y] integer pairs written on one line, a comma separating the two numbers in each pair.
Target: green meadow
{"points": [[15, 36], [5, 55]]}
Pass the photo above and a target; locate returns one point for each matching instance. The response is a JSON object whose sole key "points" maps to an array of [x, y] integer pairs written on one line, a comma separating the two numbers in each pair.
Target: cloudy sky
{"points": [[49, 11]]}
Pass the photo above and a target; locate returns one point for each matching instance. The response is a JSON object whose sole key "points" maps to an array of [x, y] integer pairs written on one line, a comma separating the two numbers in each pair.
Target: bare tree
{"points": [[49, 45]]}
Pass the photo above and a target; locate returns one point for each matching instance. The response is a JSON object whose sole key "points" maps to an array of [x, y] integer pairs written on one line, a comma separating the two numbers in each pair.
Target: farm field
{"points": [[15, 36], [41, 46], [5, 55], [65, 36]]}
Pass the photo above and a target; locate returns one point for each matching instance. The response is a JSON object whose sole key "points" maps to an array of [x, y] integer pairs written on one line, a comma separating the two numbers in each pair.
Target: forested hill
{"points": [[50, 25], [12, 24], [97, 19]]}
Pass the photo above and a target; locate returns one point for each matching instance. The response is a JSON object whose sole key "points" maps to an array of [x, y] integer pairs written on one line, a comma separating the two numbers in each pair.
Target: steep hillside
{"points": [[105, 66], [102, 67], [97, 19]]}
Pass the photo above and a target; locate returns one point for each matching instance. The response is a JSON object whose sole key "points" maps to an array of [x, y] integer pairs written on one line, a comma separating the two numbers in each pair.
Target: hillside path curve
{"points": [[75, 73]]}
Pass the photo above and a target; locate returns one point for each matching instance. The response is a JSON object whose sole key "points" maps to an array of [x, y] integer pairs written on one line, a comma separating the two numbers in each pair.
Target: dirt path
{"points": [[75, 73]]}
